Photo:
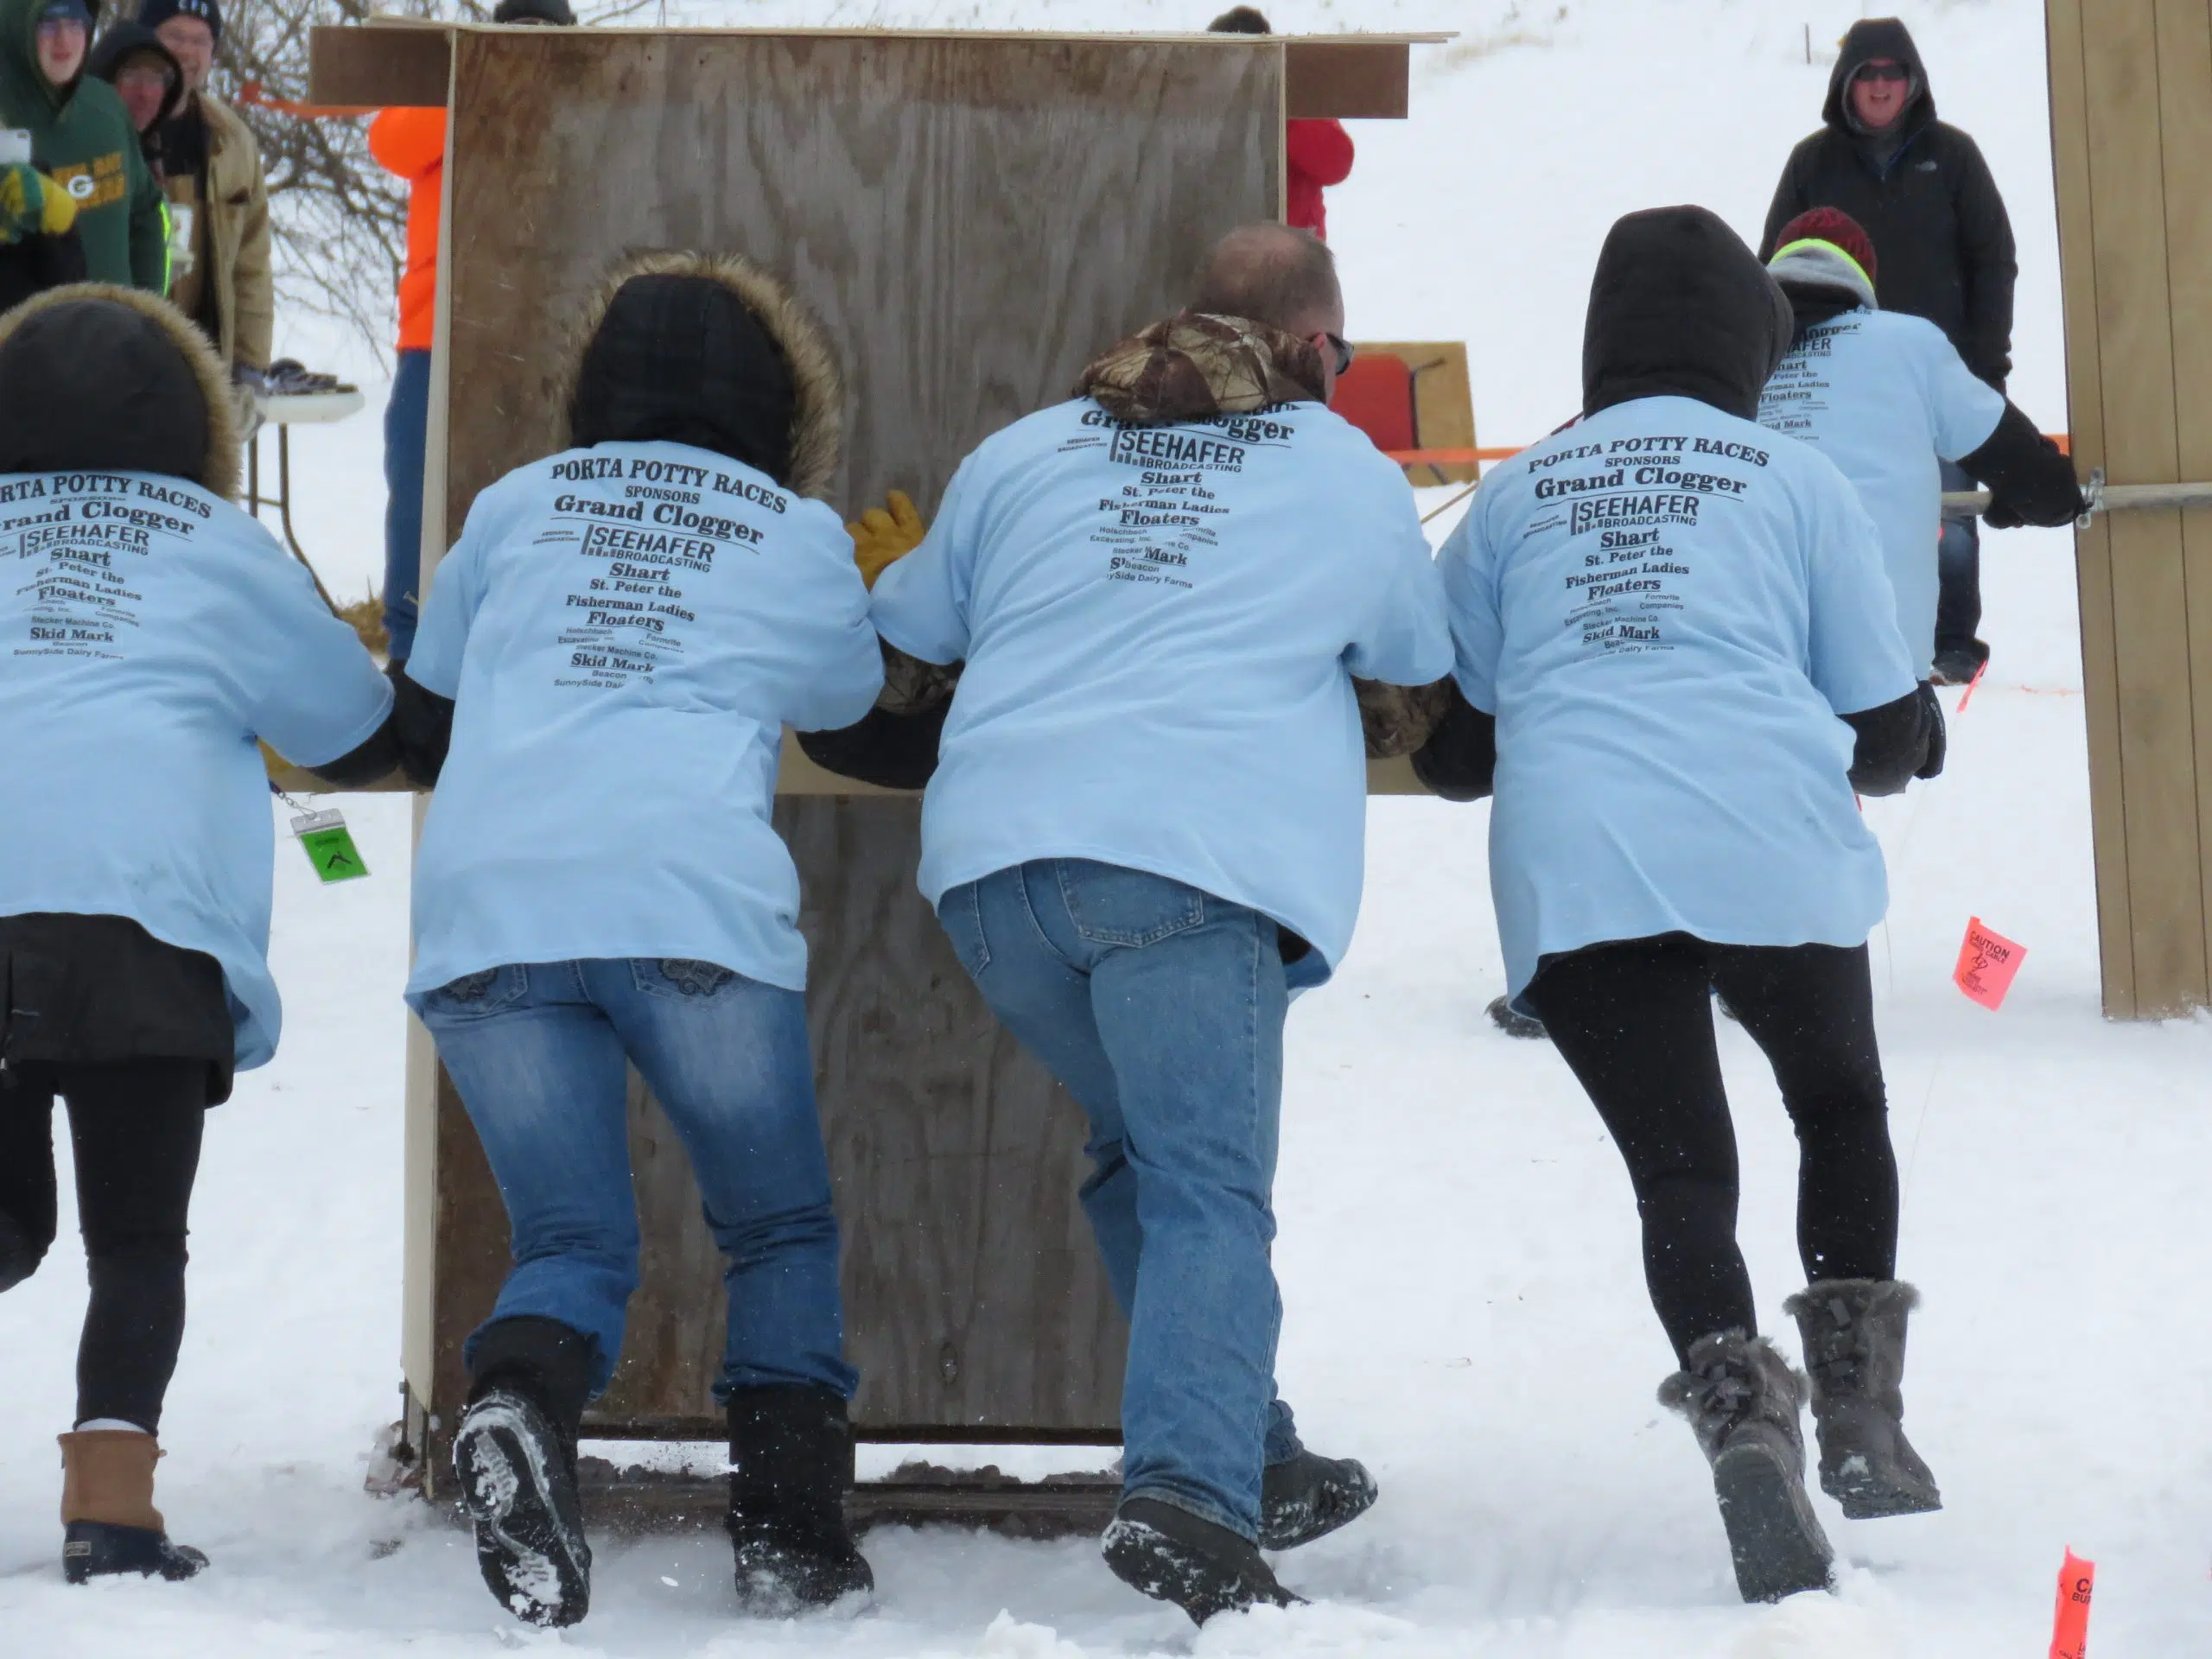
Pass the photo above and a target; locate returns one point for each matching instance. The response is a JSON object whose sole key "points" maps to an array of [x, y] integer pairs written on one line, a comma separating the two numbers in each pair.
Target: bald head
{"points": [[1274, 275]]}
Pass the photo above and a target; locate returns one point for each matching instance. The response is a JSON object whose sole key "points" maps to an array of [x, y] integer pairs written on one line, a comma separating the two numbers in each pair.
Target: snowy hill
{"points": [[1464, 1309]]}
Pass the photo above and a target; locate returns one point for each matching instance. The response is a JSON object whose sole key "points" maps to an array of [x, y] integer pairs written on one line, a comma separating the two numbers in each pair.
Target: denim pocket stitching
{"points": [[971, 903], [681, 977], [480, 994], [1193, 915]]}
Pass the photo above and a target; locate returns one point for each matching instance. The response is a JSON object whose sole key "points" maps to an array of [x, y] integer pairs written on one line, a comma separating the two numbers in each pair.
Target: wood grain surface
{"points": [[971, 219], [2131, 118]]}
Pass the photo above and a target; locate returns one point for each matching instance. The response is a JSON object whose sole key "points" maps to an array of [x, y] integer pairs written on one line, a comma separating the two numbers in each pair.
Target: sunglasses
{"points": [[1342, 347], [1883, 71]]}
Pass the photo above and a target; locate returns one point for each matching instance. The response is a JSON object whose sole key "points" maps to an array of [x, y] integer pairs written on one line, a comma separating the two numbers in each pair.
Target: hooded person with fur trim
{"points": [[1679, 649], [1887, 399], [150, 632], [604, 666], [1144, 828]]}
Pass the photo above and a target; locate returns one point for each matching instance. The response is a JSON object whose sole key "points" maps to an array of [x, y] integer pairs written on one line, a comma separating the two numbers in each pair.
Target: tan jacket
{"points": [[238, 238]]}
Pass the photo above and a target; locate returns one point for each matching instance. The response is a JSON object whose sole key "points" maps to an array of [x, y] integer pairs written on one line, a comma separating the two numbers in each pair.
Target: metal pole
{"points": [[2104, 498]]}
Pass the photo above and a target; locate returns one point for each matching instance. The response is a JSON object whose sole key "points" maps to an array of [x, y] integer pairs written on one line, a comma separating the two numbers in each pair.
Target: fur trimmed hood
{"points": [[1195, 365], [671, 359], [95, 376]]}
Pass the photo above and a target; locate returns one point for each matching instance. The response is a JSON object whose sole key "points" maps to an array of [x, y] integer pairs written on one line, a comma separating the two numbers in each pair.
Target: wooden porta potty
{"points": [[2131, 108], [972, 216]]}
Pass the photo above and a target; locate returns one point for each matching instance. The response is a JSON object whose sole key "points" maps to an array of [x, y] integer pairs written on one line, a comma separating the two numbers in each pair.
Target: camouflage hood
{"points": [[1196, 365]]}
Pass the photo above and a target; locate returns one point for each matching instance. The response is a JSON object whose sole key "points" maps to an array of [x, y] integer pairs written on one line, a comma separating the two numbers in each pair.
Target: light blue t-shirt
{"points": [[1666, 609], [1160, 625], [626, 631], [1884, 395], [149, 632]]}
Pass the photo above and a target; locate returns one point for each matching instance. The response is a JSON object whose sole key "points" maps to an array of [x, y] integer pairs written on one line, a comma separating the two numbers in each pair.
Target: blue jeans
{"points": [[406, 433], [537, 1051], [1958, 571], [1161, 1009]]}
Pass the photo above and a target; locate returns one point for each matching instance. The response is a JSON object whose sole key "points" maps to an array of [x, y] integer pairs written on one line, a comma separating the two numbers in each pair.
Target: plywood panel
{"points": [[398, 60], [2185, 135], [972, 219], [2129, 185], [2092, 546]]}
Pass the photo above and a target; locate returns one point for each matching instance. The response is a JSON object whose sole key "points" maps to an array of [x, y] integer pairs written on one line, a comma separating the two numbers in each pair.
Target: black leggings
{"points": [[1635, 1021], [134, 1129]]}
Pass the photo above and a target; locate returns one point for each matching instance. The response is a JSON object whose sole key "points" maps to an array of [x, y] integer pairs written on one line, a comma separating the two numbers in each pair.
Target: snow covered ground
{"points": [[1459, 1250]]}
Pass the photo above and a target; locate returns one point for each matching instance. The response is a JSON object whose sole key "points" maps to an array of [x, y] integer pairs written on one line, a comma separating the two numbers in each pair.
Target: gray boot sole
{"points": [[1773, 1534], [1863, 1497]]}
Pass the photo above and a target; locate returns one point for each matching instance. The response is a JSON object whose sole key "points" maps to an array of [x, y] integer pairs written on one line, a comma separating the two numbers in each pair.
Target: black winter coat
{"points": [[1942, 244], [38, 263]]}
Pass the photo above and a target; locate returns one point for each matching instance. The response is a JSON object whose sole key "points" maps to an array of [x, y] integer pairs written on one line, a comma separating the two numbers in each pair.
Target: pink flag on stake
{"points": [[1971, 685], [1987, 961], [2070, 1627]]}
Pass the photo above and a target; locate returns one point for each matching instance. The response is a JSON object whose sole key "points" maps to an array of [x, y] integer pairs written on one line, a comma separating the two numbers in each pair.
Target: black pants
{"points": [[135, 1130], [1634, 1019]]}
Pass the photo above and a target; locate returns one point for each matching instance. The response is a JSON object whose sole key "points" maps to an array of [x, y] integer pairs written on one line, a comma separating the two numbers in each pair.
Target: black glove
{"points": [[1938, 737], [2029, 481]]}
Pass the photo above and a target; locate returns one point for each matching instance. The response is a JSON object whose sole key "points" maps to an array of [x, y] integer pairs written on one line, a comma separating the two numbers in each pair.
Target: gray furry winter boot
{"points": [[1853, 1331], [1743, 1400]]}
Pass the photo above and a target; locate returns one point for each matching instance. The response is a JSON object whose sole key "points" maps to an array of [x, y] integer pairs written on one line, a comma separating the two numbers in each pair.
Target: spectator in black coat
{"points": [[1925, 196]]}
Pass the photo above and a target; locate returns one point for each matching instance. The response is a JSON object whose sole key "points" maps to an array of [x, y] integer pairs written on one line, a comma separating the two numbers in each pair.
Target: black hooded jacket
{"points": [[126, 40], [1942, 244], [1679, 307]]}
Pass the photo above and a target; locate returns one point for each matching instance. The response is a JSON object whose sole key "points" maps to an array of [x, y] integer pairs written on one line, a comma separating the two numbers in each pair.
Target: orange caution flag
{"points": [[2069, 1627], [1987, 961]]}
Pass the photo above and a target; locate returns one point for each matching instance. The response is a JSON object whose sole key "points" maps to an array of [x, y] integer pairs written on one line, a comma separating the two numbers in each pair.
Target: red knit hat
{"points": [[1836, 228]]}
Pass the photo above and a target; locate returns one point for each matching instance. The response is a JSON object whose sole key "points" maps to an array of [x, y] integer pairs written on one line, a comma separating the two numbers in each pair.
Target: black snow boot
{"points": [[1743, 1400], [110, 1525], [515, 1458], [1514, 1023], [1853, 1331], [1309, 1497], [1171, 1554], [791, 1456]]}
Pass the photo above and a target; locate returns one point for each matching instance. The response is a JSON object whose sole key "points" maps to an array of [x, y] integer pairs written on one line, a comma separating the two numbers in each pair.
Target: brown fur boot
{"points": [[109, 1522]]}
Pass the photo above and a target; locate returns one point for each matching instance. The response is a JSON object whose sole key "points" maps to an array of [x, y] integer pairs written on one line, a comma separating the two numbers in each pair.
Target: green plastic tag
{"points": [[329, 846]]}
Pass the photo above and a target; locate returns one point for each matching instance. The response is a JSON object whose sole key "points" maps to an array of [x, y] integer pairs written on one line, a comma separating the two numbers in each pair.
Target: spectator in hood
{"points": [[1888, 399], [599, 883], [1926, 199], [411, 144], [1137, 882], [1317, 153], [81, 139], [210, 172], [149, 632], [146, 75], [1677, 655]]}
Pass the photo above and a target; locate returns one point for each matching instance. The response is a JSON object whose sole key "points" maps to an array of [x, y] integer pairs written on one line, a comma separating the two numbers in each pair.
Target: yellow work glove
{"points": [[32, 204], [882, 538]]}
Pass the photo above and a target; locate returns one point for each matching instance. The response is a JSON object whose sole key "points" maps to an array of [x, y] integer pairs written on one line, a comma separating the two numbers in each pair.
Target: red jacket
{"points": [[1320, 153], [411, 143]]}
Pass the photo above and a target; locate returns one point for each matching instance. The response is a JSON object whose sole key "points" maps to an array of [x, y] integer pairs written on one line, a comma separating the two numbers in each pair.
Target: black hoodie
{"points": [[1942, 244], [1679, 307]]}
